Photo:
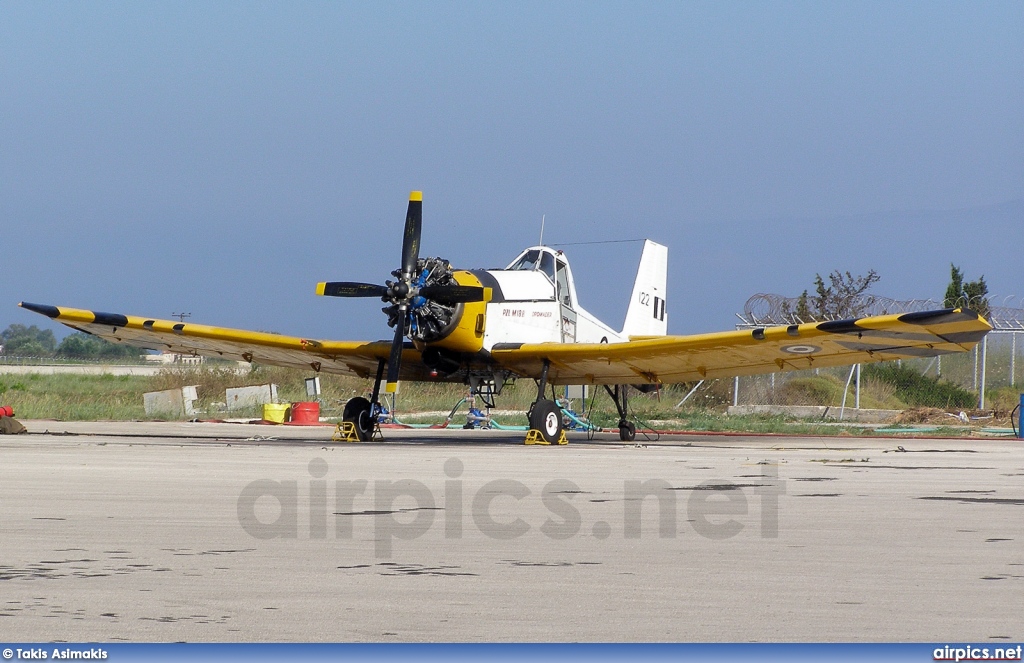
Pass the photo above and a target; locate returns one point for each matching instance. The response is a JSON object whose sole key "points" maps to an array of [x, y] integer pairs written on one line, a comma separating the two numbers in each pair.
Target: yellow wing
{"points": [[345, 357], [668, 359], [662, 359]]}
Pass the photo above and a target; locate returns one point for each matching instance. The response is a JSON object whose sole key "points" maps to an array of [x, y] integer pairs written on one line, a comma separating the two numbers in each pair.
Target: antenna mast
{"points": [[541, 242]]}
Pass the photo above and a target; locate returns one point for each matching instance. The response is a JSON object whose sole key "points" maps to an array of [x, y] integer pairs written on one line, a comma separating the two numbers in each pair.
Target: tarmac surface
{"points": [[214, 532]]}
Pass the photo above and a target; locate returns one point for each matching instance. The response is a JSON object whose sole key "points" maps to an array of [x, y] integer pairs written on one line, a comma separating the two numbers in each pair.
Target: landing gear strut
{"points": [[627, 429], [545, 415], [363, 413]]}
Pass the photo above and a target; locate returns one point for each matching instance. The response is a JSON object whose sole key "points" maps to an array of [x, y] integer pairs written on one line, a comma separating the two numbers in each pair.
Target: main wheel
{"points": [[627, 431], [358, 410], [547, 418]]}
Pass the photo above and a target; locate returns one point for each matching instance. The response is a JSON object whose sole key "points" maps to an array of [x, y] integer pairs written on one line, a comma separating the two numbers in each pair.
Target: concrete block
{"points": [[244, 397], [171, 401]]}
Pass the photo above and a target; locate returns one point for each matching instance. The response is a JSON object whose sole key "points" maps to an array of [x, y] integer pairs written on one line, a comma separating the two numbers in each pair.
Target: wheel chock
{"points": [[345, 431], [534, 436]]}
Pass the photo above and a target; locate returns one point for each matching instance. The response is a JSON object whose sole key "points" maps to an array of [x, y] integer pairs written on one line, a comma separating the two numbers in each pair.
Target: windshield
{"points": [[535, 259], [528, 261]]}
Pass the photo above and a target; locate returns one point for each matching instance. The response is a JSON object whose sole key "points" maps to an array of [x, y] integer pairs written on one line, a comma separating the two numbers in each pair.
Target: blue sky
{"points": [[220, 158]]}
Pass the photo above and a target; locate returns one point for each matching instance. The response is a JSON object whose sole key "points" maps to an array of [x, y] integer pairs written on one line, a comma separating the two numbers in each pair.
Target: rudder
{"points": [[647, 314]]}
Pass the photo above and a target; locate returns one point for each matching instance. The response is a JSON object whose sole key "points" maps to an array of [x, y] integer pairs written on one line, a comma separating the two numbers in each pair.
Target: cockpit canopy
{"points": [[553, 265], [534, 260]]}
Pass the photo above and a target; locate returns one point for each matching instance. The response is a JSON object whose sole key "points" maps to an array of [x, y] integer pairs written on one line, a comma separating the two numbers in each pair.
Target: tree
{"points": [[972, 295], [86, 346], [803, 308], [955, 289], [976, 296], [841, 299], [22, 341]]}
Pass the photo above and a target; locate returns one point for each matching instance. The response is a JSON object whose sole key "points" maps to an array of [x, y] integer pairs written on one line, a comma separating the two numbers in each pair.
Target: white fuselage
{"points": [[535, 302]]}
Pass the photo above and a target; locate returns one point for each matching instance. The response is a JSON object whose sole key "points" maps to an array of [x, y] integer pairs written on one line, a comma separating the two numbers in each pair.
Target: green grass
{"points": [[74, 397], [106, 397], [119, 398]]}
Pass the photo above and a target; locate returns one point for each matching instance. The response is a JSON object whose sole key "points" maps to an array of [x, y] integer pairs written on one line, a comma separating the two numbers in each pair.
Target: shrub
{"points": [[917, 390]]}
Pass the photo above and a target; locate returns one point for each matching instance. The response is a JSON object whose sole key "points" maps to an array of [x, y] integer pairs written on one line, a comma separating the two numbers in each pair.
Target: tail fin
{"points": [[646, 315]]}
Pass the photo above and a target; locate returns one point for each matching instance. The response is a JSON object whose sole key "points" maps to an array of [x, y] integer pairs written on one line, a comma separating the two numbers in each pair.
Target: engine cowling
{"points": [[457, 328], [428, 320]]}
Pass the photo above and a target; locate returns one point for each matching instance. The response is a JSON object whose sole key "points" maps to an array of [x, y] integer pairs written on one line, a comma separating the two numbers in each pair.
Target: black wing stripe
{"points": [[110, 319]]}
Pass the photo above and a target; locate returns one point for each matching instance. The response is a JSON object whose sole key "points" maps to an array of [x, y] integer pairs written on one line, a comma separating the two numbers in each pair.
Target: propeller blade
{"points": [[411, 240], [453, 294], [350, 289], [395, 359]]}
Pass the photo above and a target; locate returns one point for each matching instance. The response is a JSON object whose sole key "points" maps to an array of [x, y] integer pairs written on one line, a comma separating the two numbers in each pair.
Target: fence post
{"points": [[984, 356], [857, 399], [846, 390], [1013, 359], [976, 367], [736, 391]]}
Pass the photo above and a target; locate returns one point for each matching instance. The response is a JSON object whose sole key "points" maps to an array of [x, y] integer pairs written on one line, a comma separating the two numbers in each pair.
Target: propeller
{"points": [[409, 291], [411, 238], [403, 288], [446, 294], [452, 294], [351, 289]]}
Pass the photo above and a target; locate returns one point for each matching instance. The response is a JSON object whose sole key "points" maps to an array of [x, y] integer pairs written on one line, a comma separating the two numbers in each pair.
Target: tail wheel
{"points": [[358, 410], [627, 431], [547, 418]]}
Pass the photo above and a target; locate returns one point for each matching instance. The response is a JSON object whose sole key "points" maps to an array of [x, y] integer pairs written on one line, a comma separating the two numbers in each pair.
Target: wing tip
{"points": [[44, 309], [321, 287], [940, 316], [415, 196]]}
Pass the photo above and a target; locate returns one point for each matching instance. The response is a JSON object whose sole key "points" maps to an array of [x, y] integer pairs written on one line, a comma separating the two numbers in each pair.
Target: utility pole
{"points": [[1013, 359], [181, 316]]}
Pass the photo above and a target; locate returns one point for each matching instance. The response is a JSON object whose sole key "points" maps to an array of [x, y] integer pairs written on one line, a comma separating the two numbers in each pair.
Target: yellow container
{"points": [[275, 412]]}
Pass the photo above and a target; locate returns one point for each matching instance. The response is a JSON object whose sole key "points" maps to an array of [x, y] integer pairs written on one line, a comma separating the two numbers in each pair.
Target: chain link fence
{"points": [[994, 369]]}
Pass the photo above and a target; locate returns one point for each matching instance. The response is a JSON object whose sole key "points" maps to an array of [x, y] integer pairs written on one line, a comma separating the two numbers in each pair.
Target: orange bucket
{"points": [[306, 413]]}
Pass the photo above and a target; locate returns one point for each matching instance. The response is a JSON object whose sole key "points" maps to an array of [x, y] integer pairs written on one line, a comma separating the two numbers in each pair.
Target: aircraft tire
{"points": [[357, 410], [627, 431], [546, 418]]}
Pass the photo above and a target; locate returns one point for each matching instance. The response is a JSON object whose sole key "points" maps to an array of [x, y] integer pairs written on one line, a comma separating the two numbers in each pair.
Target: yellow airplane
{"points": [[487, 327]]}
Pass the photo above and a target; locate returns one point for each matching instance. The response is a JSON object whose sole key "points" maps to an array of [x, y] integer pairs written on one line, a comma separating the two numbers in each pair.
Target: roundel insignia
{"points": [[801, 349]]}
